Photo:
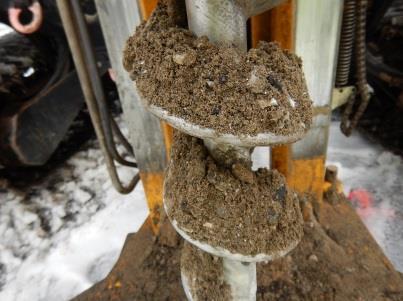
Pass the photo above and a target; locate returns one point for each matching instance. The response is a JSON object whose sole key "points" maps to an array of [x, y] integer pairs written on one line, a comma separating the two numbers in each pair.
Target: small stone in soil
{"points": [[272, 217], [276, 84], [281, 194], [266, 103], [215, 111], [188, 58], [223, 79], [242, 173]]}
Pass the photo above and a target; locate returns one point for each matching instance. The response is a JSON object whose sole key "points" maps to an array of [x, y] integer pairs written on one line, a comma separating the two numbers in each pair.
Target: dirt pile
{"points": [[218, 87], [337, 259], [243, 211]]}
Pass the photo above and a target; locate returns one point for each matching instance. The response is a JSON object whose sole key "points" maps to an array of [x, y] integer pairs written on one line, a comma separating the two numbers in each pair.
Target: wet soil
{"points": [[337, 259], [237, 209], [218, 87], [205, 274]]}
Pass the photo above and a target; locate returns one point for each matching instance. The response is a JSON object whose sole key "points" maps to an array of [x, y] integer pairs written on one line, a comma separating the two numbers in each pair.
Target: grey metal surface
{"points": [[255, 7], [119, 19], [221, 21], [317, 33], [318, 26], [315, 141], [224, 21], [241, 277]]}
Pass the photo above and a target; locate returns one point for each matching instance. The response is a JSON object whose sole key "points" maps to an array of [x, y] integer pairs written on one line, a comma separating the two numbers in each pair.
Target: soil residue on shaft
{"points": [[205, 274], [237, 209], [218, 87]]}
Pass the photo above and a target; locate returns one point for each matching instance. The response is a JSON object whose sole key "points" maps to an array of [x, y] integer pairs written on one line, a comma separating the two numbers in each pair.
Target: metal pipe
{"points": [[96, 83], [221, 21], [122, 139], [70, 26]]}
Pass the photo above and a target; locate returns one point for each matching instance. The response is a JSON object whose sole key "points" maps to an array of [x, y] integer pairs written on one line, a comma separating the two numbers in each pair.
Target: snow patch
{"points": [[64, 235], [364, 165]]}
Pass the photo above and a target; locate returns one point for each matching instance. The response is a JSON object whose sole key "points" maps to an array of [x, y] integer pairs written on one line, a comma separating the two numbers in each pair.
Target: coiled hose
{"points": [[352, 115]]}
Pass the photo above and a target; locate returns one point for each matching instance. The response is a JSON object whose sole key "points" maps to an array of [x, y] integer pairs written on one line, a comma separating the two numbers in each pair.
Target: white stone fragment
{"points": [[292, 102]]}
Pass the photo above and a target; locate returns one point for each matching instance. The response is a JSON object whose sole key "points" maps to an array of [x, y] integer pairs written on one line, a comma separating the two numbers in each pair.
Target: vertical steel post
{"points": [[317, 35], [118, 19]]}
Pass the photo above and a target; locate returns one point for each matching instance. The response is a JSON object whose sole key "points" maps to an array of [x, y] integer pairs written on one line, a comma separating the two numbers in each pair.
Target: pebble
{"points": [[292, 102], [208, 225], [275, 83], [210, 84], [215, 111], [188, 58], [281, 194], [272, 217], [257, 81], [243, 173], [222, 79], [265, 103]]}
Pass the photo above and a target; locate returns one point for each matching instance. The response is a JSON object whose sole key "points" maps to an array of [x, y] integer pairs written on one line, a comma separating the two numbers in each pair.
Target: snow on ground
{"points": [[366, 167], [63, 235]]}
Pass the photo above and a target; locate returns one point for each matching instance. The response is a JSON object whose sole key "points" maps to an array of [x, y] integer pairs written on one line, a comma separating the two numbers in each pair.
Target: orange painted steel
{"points": [[276, 24], [307, 175], [153, 182], [147, 7], [168, 132]]}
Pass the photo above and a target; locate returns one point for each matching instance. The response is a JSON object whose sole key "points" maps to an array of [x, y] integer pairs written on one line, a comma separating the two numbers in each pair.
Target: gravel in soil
{"points": [[205, 274], [237, 209], [217, 86]]}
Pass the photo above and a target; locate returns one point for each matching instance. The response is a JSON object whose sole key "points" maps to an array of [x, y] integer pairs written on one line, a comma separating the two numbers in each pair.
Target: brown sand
{"points": [[263, 90], [243, 211], [205, 274]]}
